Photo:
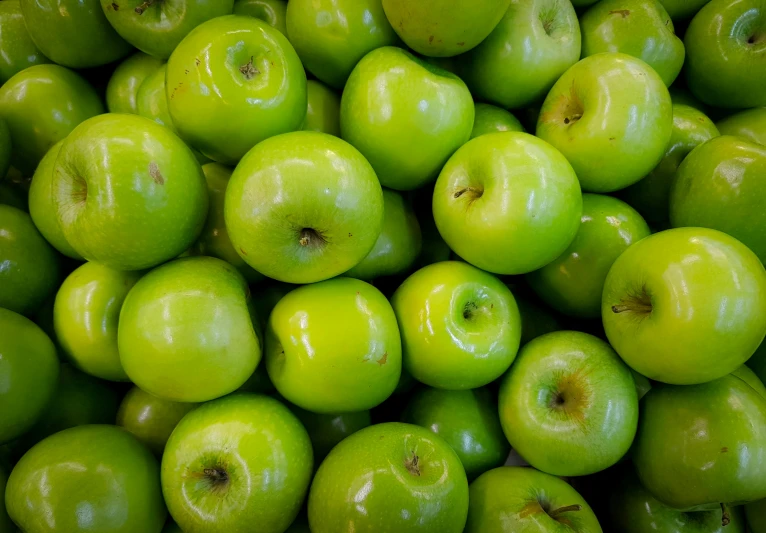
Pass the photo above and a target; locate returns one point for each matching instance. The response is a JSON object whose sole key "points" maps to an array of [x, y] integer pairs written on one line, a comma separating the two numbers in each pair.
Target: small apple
{"points": [[755, 513], [323, 112], [327, 430], [122, 89], [272, 12], [17, 51], [749, 125], [235, 463], [682, 9], [491, 119]]}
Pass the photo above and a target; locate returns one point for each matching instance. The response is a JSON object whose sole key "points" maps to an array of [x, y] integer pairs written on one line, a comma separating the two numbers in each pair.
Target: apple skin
{"points": [[334, 347], [30, 269], [682, 9], [519, 499], [749, 125], [323, 112], [156, 202], [569, 405], [272, 12], [303, 207], [87, 478], [665, 290], [719, 186], [505, 192], [327, 430], [572, 284], [331, 36], [651, 195], [152, 100], [756, 516], [444, 28], [29, 373], [519, 62], [122, 89], [491, 119], [467, 420], [682, 446], [725, 60], [42, 105], [389, 477], [17, 51], [213, 347], [749, 376], [150, 419], [259, 450], [73, 33], [156, 28], [460, 327], [249, 101], [612, 108], [383, 114]]}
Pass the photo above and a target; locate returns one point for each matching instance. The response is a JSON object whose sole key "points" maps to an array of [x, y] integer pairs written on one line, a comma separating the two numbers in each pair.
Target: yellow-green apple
{"points": [[749, 125], [323, 111], [128, 192], [491, 119], [87, 478], [398, 476], [17, 51], [394, 101], [666, 289], [507, 202], [303, 207], [612, 108], [755, 513], [572, 283], [272, 12], [233, 82], [122, 89], [327, 430], [460, 326], [331, 36], [569, 405], [235, 463], [534, 43], [334, 347], [187, 331], [683, 9]]}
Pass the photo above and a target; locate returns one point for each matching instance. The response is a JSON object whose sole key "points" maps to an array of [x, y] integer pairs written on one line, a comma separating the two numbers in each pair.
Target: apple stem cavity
{"points": [[248, 70], [474, 192], [217, 476], [725, 518], [310, 237], [411, 464], [143, 6], [561, 510]]}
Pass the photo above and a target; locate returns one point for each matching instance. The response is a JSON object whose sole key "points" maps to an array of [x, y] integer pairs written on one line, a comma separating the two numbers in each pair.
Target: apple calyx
{"points": [[411, 464], [756, 38], [216, 476], [310, 237], [248, 70], [567, 509], [725, 518], [143, 6]]}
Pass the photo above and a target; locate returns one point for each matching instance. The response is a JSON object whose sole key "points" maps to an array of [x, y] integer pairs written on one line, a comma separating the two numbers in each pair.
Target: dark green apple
{"points": [[491, 119], [682, 9], [17, 51], [755, 513], [536, 319], [272, 12], [323, 112], [327, 430], [122, 89], [152, 100], [749, 125]]}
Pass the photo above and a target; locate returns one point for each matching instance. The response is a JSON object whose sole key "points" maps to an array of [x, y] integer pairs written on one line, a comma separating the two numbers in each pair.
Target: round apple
{"points": [[491, 119], [272, 12], [749, 125], [323, 112], [17, 51], [122, 89]]}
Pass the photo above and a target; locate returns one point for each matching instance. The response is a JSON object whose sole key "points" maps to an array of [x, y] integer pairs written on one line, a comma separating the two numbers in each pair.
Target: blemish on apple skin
{"points": [[156, 175], [612, 138], [197, 61], [243, 252], [349, 235], [461, 44], [115, 6], [382, 360], [724, 449], [430, 39], [623, 12]]}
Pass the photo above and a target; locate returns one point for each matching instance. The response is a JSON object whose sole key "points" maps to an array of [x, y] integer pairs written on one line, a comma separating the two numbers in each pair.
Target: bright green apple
{"points": [[272, 12], [535, 42], [612, 108], [683, 9], [572, 283], [334, 347], [233, 82], [122, 89], [186, 331], [234, 463], [323, 112], [755, 513], [6, 149], [569, 405], [491, 119], [303, 207], [87, 478], [327, 430], [444, 28], [460, 326], [523, 500], [394, 477], [152, 100], [394, 101], [749, 125], [507, 202], [17, 51], [41, 105]]}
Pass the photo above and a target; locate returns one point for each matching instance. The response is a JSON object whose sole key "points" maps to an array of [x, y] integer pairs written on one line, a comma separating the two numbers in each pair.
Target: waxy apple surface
{"points": [[323, 112], [749, 125], [17, 51], [123, 86], [272, 12], [492, 119]]}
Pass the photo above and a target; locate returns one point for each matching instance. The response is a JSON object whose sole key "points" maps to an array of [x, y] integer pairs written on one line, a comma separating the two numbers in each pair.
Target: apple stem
{"points": [[573, 118], [725, 518], [146, 4], [561, 510], [477, 192], [637, 307]]}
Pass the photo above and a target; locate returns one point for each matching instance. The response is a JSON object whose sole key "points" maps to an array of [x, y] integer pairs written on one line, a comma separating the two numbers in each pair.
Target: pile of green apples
{"points": [[382, 266]]}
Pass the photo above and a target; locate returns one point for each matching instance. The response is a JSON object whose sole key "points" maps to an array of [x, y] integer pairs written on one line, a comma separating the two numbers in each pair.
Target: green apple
{"points": [[334, 347], [73, 33], [323, 112], [156, 26], [128, 192], [535, 42], [444, 28], [235, 463], [683, 9], [719, 186], [536, 319], [152, 100], [327, 430], [331, 36], [186, 331], [686, 305], [749, 125], [87, 478], [233, 82], [651, 195], [569, 405], [523, 500], [507, 202], [29, 369], [272, 12], [85, 316], [29, 267], [393, 477], [491, 119], [394, 101], [701, 446], [399, 242], [122, 89], [755, 513], [726, 53], [612, 108], [17, 51], [303, 207], [467, 420], [41, 105], [6, 149], [747, 375], [572, 284], [151, 419], [460, 326]]}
